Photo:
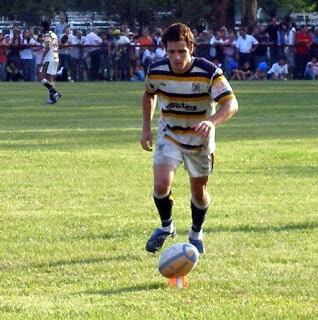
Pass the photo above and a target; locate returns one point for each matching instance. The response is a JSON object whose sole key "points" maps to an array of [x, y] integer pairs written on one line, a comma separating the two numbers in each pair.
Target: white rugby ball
{"points": [[178, 260]]}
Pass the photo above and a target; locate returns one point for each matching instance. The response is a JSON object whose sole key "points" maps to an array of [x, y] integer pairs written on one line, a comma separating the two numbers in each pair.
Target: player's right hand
{"points": [[146, 140]]}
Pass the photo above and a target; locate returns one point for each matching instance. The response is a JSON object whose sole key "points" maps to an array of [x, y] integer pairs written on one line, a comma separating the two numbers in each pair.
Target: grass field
{"points": [[76, 208]]}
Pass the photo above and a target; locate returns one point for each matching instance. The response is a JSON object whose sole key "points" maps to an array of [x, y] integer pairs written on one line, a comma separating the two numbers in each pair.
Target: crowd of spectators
{"points": [[273, 51]]}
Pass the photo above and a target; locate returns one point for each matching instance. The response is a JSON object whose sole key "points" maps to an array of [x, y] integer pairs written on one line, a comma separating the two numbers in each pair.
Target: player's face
{"points": [[179, 55]]}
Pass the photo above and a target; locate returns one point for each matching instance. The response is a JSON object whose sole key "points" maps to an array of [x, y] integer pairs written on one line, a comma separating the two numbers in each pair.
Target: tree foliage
{"points": [[143, 12]]}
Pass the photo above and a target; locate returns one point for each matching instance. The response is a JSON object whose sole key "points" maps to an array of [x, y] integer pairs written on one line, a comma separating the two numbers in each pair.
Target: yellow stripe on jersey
{"points": [[218, 79], [161, 77], [227, 97]]}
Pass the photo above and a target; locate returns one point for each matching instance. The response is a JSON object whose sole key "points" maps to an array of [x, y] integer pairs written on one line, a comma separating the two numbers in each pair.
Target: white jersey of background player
{"points": [[50, 62]]}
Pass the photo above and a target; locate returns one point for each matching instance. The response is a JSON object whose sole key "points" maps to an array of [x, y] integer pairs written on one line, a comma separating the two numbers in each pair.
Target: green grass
{"points": [[76, 208]]}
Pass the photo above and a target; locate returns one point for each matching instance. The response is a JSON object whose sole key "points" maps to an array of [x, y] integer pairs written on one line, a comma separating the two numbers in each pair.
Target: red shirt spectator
{"points": [[303, 41]]}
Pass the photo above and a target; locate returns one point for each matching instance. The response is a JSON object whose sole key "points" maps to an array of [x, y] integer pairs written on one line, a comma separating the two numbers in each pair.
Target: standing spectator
{"points": [[121, 47], [272, 30], [303, 42], [77, 56], [281, 38], [279, 70], [160, 52], [314, 46], [37, 51], [33, 36], [246, 45], [106, 53], [311, 72], [290, 44], [26, 56], [229, 53], [15, 43], [145, 41], [65, 42], [260, 52], [3, 55], [60, 26], [157, 37], [202, 45], [93, 40], [148, 57]]}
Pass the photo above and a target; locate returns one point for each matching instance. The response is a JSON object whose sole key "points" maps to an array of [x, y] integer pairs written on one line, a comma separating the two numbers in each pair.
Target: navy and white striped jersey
{"points": [[186, 99]]}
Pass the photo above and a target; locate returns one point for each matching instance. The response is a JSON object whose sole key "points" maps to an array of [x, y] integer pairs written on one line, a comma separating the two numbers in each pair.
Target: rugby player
{"points": [[49, 62], [187, 90]]}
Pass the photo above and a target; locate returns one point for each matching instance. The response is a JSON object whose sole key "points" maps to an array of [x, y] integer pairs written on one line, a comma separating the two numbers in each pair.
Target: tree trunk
{"points": [[223, 13], [249, 13]]}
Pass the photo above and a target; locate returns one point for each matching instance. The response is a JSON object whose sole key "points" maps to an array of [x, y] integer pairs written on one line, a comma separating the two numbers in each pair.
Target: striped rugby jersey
{"points": [[186, 99], [52, 40]]}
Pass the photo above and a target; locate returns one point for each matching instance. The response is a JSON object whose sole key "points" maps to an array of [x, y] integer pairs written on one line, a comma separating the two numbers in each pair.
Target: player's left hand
{"points": [[204, 128]]}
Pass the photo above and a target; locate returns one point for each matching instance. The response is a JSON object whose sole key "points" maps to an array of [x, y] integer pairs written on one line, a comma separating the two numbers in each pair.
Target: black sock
{"points": [[49, 87], [198, 217], [164, 207]]}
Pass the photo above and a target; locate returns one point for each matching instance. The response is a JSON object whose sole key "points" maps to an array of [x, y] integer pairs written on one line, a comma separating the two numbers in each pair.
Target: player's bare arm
{"points": [[148, 109], [225, 112]]}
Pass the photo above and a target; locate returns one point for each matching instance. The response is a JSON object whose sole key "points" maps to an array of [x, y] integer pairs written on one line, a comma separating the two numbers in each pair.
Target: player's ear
{"points": [[191, 47]]}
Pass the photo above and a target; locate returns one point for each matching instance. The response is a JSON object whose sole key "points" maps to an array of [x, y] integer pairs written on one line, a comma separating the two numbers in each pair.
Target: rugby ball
{"points": [[178, 260]]}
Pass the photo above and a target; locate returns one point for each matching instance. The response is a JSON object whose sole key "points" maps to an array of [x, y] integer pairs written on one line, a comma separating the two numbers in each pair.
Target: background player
{"points": [[187, 89], [50, 62]]}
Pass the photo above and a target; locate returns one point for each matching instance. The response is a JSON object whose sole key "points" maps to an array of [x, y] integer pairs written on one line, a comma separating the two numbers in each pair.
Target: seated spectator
{"points": [[261, 72], [243, 73], [311, 72], [13, 73], [279, 70]]}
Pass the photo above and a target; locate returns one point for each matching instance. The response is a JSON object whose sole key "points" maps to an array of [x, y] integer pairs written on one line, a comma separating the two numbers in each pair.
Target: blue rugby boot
{"points": [[195, 238], [157, 239]]}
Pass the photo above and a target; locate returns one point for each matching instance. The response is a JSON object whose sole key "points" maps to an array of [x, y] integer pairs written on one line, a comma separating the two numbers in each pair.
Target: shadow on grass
{"points": [[260, 229], [70, 262], [266, 228], [129, 289]]}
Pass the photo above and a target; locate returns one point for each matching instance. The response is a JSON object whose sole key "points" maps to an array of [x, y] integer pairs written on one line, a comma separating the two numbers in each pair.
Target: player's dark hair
{"points": [[45, 25], [177, 32]]}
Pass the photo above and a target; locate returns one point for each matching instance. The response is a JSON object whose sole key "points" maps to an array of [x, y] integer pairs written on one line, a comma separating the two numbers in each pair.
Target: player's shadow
{"points": [[70, 262], [266, 228], [260, 228], [129, 289]]}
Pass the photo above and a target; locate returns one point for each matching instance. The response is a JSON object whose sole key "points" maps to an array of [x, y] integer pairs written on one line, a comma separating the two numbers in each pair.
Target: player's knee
{"points": [[162, 188], [201, 198]]}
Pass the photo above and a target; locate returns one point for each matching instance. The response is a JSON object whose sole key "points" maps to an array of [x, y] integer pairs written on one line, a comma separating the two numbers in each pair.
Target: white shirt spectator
{"points": [[213, 42], [291, 33], [75, 51], [160, 53], [148, 54], [280, 71], [27, 52], [122, 40], [92, 39], [245, 45]]}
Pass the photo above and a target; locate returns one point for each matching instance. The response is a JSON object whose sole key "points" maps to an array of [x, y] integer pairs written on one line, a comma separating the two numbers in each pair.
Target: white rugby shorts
{"points": [[197, 164], [50, 67]]}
